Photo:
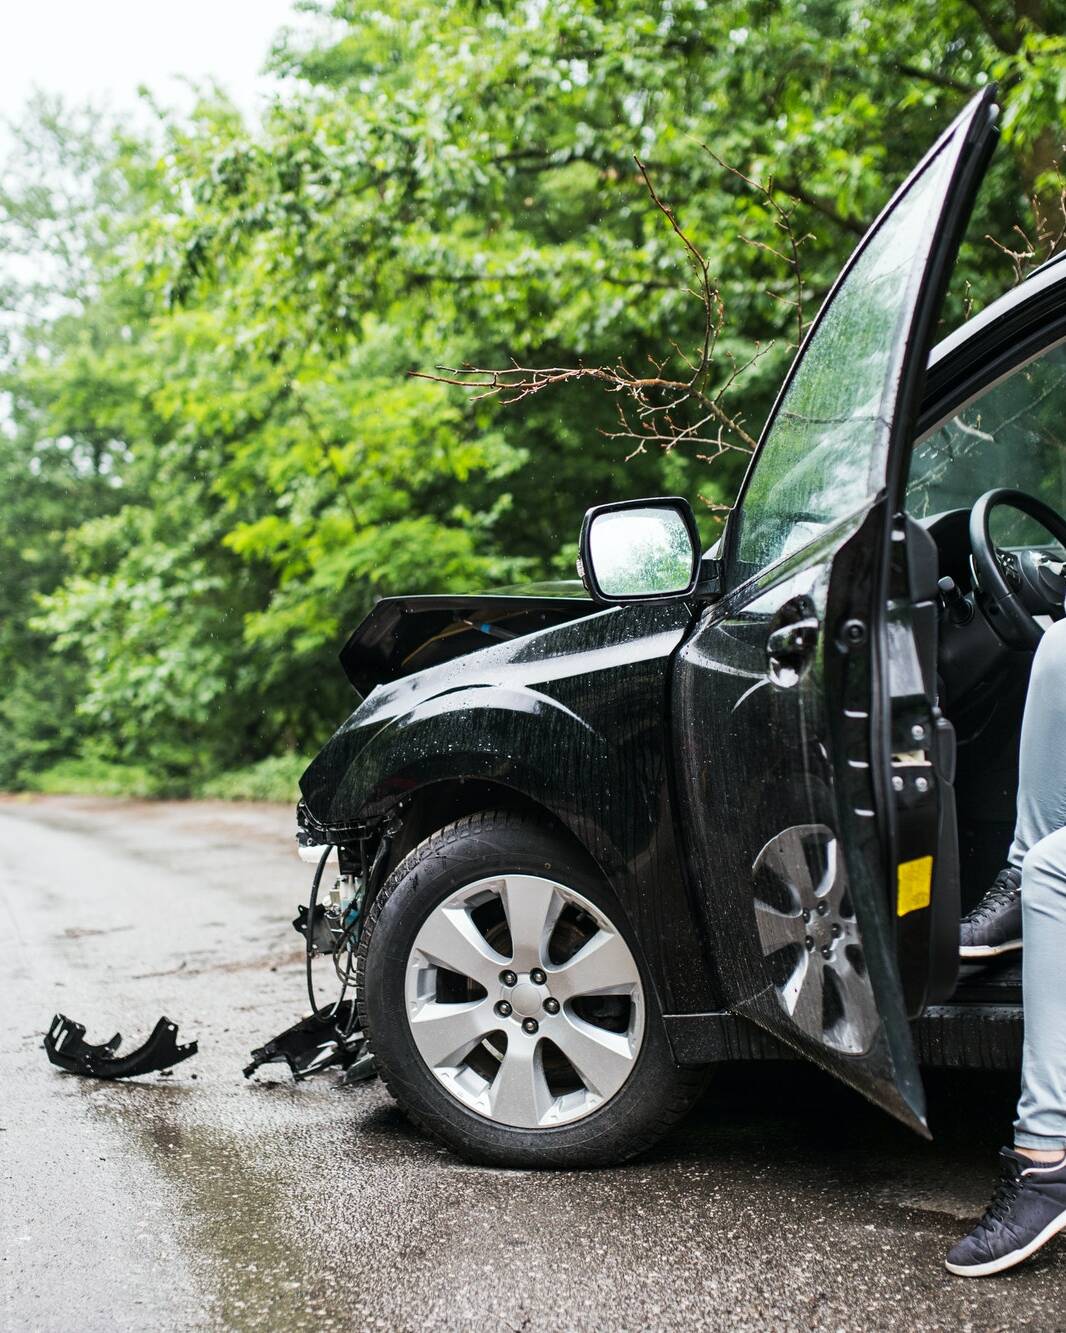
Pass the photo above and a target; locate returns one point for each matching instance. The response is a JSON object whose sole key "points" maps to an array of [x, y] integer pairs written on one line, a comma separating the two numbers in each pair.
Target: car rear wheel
{"points": [[508, 1005]]}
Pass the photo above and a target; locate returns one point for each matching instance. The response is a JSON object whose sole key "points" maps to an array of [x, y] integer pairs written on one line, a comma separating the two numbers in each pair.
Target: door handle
{"points": [[789, 648]]}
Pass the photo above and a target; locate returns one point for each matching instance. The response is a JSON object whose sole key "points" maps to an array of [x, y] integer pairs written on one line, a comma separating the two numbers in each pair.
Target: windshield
{"points": [[1012, 434]]}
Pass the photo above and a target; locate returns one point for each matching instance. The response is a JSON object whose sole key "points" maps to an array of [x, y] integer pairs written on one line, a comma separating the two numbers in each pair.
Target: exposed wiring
{"points": [[309, 951], [354, 928], [348, 941]]}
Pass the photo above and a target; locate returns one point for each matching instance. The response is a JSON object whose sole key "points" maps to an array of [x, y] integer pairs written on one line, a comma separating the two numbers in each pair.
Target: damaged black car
{"points": [[591, 841]]}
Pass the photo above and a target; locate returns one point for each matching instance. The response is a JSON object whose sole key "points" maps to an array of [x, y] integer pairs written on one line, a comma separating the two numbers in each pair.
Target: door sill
{"points": [[959, 1035]]}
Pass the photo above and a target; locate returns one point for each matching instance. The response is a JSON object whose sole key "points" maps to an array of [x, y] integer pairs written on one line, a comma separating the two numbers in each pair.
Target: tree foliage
{"points": [[213, 457]]}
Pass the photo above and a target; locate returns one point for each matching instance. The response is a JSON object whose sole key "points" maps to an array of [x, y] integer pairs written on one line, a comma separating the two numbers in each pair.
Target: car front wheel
{"points": [[508, 1005]]}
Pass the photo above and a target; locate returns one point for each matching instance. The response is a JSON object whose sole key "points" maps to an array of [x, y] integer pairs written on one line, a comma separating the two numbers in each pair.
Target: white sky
{"points": [[102, 50]]}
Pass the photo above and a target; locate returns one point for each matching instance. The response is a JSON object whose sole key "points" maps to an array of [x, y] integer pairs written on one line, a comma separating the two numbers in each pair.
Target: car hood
{"points": [[402, 635]]}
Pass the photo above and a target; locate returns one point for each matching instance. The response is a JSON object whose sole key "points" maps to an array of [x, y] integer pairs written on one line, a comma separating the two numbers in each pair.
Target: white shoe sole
{"points": [[988, 950], [1015, 1257]]}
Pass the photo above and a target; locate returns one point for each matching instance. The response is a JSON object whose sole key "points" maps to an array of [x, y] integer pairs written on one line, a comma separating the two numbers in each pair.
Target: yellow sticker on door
{"points": [[914, 879]]}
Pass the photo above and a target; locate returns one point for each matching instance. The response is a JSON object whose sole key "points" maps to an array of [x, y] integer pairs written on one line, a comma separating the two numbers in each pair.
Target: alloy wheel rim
{"points": [[524, 1001], [808, 930]]}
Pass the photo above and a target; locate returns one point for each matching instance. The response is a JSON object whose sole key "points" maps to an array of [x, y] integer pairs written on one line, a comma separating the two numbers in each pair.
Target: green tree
{"points": [[68, 191], [213, 456]]}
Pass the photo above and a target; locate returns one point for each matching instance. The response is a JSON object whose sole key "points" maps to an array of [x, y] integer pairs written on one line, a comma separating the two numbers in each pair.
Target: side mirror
{"points": [[639, 550]]}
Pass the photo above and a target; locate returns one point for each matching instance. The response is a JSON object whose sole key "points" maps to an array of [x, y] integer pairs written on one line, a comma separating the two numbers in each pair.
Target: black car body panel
{"points": [[573, 719], [786, 772]]}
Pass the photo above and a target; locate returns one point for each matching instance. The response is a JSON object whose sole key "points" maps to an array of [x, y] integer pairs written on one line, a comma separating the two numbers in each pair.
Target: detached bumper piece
{"points": [[319, 1041], [66, 1047]]}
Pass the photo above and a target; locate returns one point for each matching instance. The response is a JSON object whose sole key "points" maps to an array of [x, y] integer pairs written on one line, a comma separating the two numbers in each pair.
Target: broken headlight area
{"points": [[334, 925], [332, 920], [331, 924]]}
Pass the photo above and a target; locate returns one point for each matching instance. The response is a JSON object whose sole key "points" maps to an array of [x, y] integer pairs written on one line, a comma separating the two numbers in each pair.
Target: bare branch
{"points": [[937, 79], [665, 406], [1049, 233], [783, 219], [794, 190]]}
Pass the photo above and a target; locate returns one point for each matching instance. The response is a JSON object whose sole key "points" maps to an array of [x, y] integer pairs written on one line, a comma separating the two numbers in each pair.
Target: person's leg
{"points": [[1039, 850], [1029, 1207], [1041, 1124], [1042, 757]]}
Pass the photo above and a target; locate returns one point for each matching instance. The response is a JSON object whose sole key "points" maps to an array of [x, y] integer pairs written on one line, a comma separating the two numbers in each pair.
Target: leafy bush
{"points": [[98, 777], [273, 779]]}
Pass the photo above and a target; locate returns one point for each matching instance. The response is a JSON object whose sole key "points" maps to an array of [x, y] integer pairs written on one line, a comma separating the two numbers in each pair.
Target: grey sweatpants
{"points": [[1039, 849]]}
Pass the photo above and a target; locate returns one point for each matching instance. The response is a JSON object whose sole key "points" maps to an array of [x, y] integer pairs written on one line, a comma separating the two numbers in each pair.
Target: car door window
{"points": [[1012, 434], [822, 454]]}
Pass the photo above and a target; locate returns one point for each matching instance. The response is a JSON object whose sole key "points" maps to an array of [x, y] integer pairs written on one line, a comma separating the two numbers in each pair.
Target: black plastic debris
{"points": [[66, 1046], [319, 1041]]}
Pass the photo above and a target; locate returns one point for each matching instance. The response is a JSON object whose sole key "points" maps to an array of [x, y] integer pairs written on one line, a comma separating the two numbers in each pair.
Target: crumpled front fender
{"points": [[519, 738]]}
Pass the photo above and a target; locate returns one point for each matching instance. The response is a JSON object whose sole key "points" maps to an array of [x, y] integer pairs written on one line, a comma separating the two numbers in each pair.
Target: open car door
{"points": [[784, 691]]}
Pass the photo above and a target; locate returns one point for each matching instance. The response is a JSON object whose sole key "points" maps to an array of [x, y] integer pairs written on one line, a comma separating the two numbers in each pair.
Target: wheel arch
{"points": [[437, 804], [513, 747]]}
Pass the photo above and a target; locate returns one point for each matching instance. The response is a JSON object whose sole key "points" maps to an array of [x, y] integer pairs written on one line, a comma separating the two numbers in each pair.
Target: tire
{"points": [[512, 1097]]}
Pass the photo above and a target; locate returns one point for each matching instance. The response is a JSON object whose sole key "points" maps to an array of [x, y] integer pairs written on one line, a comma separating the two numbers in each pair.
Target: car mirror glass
{"points": [[641, 551]]}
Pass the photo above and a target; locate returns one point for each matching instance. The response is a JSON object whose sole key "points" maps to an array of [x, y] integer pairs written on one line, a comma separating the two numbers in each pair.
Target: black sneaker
{"points": [[995, 924], [1027, 1210]]}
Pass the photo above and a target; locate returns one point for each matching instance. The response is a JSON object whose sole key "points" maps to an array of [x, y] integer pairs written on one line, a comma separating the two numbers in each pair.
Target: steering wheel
{"points": [[1017, 586]]}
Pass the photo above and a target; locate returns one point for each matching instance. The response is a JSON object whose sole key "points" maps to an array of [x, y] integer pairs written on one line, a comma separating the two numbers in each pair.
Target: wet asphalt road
{"points": [[200, 1200]]}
